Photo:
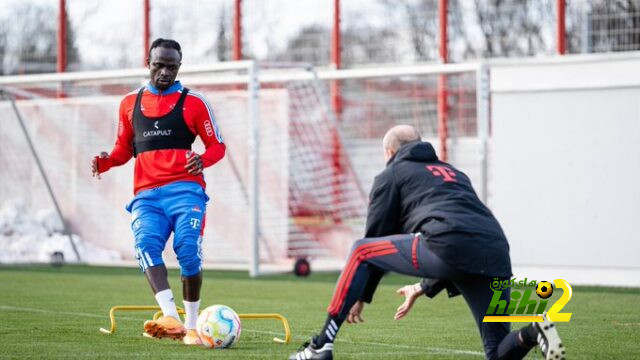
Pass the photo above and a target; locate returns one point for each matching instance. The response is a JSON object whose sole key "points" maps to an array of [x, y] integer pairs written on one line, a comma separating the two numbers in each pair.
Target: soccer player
{"points": [[425, 220], [157, 125]]}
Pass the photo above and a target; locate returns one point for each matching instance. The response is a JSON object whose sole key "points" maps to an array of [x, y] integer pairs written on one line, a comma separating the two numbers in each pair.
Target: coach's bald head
{"points": [[396, 137]]}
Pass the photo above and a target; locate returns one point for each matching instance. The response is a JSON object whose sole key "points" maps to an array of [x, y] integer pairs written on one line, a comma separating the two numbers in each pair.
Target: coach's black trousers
{"points": [[410, 255]]}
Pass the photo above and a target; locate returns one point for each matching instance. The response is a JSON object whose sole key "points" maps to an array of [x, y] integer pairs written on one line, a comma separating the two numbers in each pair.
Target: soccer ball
{"points": [[544, 289], [219, 327]]}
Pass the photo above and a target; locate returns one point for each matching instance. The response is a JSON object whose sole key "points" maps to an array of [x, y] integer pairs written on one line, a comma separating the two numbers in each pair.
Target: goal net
{"points": [[303, 147]]}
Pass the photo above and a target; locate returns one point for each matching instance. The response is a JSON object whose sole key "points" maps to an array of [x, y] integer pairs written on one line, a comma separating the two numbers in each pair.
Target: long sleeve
{"points": [[204, 125], [382, 220], [384, 207], [123, 148]]}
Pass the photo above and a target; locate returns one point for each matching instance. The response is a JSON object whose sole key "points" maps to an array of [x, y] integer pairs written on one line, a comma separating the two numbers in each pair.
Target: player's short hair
{"points": [[165, 43]]}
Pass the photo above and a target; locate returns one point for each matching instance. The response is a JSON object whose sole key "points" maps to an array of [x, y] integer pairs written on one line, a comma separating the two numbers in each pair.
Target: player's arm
{"points": [[203, 124], [383, 214], [122, 150]]}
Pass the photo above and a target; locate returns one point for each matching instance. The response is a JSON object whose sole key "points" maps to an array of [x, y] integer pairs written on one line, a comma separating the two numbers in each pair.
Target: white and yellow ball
{"points": [[219, 327]]}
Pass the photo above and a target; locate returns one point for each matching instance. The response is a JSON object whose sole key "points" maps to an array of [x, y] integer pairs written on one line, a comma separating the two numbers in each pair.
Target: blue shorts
{"points": [[177, 207]]}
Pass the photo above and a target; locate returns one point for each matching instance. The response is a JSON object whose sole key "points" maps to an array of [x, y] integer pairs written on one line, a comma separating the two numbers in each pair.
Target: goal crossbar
{"points": [[266, 76]]}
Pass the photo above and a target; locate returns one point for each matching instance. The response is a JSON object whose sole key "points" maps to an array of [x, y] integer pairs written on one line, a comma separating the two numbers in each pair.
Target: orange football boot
{"points": [[165, 327]]}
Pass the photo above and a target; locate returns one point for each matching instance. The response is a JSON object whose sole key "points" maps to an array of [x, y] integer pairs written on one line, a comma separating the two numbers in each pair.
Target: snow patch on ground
{"points": [[27, 237]]}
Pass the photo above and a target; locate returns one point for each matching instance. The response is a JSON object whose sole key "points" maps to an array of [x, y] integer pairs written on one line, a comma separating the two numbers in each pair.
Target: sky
{"points": [[108, 34], [115, 27]]}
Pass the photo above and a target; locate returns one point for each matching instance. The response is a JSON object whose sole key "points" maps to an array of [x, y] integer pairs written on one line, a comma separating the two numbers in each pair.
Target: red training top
{"points": [[159, 167]]}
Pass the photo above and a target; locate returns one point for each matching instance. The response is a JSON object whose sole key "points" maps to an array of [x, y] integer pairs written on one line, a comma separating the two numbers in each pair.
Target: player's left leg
{"points": [[151, 229], [477, 293], [187, 211], [404, 254]]}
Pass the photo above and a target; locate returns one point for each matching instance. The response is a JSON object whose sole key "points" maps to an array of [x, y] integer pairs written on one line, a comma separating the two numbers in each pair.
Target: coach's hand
{"points": [[411, 293], [354, 316], [96, 167], [194, 163]]}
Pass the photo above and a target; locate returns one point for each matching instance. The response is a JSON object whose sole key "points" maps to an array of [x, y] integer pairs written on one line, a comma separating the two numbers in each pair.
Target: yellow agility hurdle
{"points": [[113, 328]]}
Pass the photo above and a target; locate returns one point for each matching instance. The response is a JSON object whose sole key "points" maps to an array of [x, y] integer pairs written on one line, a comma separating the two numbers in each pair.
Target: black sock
{"points": [[329, 330], [529, 335], [356, 289], [512, 348]]}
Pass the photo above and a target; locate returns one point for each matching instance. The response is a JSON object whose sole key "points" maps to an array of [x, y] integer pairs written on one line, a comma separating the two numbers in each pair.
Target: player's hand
{"points": [[354, 316], [410, 293], [194, 163], [95, 172]]}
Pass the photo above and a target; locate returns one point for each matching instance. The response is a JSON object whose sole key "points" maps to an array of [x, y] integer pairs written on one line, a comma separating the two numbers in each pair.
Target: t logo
{"points": [[438, 170], [195, 223]]}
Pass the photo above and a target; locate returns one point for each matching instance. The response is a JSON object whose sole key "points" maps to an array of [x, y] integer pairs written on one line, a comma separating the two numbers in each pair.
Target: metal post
{"points": [[45, 178], [237, 31], [336, 106], [443, 108], [585, 32], [442, 15], [62, 36], [483, 97], [560, 26], [336, 58], [146, 33], [254, 168]]}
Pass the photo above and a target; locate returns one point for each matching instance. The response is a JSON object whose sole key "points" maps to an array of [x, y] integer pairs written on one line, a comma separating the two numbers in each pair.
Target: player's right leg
{"points": [[498, 342], [543, 334], [151, 230]]}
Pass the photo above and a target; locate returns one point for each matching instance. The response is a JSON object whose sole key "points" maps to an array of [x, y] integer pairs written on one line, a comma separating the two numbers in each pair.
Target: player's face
{"points": [[164, 64]]}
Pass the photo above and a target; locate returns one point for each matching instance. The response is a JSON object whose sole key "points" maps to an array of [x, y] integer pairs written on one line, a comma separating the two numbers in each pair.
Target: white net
{"points": [[315, 165]]}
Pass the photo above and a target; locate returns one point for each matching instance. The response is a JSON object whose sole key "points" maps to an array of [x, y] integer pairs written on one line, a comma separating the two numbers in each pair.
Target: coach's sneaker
{"points": [[192, 338], [165, 327], [549, 340], [310, 351]]}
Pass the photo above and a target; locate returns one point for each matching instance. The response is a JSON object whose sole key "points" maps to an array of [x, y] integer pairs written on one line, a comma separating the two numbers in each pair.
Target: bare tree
{"points": [[513, 27], [3, 46], [32, 39], [73, 54], [368, 44], [222, 40], [360, 44], [29, 45], [310, 44], [507, 27], [420, 20], [604, 25]]}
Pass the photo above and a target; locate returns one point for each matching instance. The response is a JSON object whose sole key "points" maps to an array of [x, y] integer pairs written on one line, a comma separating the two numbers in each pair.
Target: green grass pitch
{"points": [[55, 313]]}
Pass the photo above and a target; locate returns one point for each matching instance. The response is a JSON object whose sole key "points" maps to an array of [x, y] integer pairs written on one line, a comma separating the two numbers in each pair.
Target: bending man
{"points": [[425, 220]]}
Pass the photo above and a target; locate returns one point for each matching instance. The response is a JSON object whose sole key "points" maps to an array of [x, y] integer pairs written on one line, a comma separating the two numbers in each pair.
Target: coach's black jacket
{"points": [[418, 193]]}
